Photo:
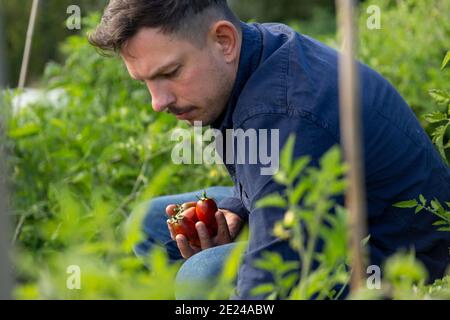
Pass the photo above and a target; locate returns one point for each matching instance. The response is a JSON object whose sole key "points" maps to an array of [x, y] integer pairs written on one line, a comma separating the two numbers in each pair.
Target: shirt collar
{"points": [[248, 62]]}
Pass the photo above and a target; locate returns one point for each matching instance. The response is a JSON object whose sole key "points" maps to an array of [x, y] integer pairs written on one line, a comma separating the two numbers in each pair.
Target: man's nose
{"points": [[161, 98]]}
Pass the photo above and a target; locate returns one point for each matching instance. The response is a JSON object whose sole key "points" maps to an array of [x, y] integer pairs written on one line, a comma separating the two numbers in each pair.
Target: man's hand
{"points": [[234, 223], [229, 225]]}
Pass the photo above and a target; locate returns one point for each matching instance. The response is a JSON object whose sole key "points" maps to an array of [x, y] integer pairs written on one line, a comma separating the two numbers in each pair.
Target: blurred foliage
{"points": [[322, 25], [50, 31], [80, 167], [280, 11], [409, 47], [313, 216], [51, 27], [440, 120], [309, 198], [86, 235], [405, 279]]}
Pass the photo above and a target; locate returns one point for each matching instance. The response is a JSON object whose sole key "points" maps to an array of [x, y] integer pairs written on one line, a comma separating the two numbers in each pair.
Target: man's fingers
{"points": [[185, 249], [203, 235], [170, 209], [223, 233], [234, 222], [222, 237], [172, 234]]}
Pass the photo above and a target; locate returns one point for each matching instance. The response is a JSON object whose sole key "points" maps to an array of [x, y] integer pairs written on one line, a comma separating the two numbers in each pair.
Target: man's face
{"points": [[190, 82]]}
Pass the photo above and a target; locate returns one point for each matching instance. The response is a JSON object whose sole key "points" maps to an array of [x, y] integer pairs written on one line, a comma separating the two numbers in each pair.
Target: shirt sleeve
{"points": [[234, 204], [312, 140]]}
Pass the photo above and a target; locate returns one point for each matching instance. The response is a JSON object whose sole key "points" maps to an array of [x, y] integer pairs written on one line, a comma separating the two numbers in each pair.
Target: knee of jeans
{"points": [[199, 274], [205, 265], [195, 278], [196, 268]]}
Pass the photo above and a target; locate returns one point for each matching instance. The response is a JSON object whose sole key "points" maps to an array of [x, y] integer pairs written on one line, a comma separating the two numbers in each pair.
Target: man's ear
{"points": [[226, 36]]}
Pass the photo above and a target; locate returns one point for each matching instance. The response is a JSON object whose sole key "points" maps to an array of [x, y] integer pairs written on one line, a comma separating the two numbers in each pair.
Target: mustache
{"points": [[178, 110]]}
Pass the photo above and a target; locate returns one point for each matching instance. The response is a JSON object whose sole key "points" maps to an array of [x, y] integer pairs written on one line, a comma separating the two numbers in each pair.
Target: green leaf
{"points": [[287, 154], [365, 241], [422, 199], [280, 177], [446, 60], [298, 167], [289, 266], [300, 190], [275, 258], [264, 264], [272, 200], [436, 205], [435, 117], [439, 223], [27, 130], [419, 208], [438, 139], [406, 204], [289, 280], [440, 96], [262, 289], [331, 160]]}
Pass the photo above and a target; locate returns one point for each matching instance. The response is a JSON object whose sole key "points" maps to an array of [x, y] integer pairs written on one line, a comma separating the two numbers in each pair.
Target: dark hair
{"points": [[189, 19]]}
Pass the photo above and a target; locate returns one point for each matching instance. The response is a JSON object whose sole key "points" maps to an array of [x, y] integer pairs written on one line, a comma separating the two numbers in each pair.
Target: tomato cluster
{"points": [[183, 218]]}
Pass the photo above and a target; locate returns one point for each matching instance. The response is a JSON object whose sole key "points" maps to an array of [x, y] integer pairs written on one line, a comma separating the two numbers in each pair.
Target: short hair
{"points": [[187, 19]]}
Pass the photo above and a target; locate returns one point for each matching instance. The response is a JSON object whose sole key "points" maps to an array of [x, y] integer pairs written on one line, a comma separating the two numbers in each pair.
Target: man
{"points": [[201, 63]]}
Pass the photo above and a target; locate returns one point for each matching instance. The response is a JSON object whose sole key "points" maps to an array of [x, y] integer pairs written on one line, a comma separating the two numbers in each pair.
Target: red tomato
{"points": [[184, 206], [184, 223], [206, 210]]}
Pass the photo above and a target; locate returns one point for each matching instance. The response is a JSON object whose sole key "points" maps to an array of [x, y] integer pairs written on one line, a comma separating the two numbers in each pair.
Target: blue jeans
{"points": [[202, 268]]}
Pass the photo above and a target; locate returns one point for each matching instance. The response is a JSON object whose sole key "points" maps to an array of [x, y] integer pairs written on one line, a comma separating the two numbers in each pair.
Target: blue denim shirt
{"points": [[289, 81]]}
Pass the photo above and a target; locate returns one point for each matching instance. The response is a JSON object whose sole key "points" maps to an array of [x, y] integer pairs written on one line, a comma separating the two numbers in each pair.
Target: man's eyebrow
{"points": [[159, 71]]}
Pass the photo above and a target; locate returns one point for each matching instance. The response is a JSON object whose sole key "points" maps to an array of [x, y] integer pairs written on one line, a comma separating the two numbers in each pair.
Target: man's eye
{"points": [[172, 74]]}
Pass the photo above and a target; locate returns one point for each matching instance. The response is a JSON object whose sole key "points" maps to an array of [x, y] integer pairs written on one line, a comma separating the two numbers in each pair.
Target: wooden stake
{"points": [[351, 140], [28, 43]]}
